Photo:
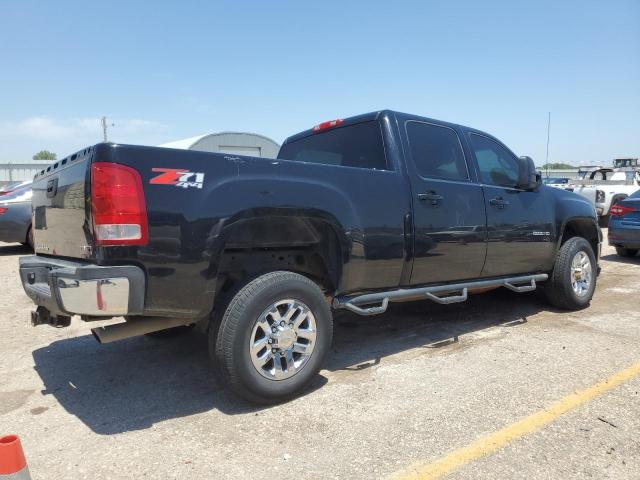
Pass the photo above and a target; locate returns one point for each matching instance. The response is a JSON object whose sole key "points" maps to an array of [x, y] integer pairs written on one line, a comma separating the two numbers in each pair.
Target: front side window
{"points": [[358, 145], [496, 164], [436, 151]]}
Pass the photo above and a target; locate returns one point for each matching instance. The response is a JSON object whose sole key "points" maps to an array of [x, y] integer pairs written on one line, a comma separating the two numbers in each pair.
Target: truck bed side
{"points": [[342, 224]]}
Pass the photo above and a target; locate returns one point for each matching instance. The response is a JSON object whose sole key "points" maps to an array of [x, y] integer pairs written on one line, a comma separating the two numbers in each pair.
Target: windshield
{"points": [[22, 194]]}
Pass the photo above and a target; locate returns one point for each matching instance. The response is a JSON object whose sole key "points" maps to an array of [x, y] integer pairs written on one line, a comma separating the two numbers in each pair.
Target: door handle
{"points": [[499, 202], [432, 197]]}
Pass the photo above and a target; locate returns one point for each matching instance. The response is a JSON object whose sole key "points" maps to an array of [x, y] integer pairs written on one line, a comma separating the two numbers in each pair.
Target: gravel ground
{"points": [[401, 389]]}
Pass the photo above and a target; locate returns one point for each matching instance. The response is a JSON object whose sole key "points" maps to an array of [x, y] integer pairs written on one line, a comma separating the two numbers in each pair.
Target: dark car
{"points": [[15, 216], [555, 180], [624, 225], [353, 214], [11, 186]]}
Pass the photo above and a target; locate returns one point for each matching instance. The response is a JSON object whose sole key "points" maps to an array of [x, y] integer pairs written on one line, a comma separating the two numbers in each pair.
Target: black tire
{"points": [[171, 332], [557, 289], [603, 221], [29, 240], [228, 344], [626, 252]]}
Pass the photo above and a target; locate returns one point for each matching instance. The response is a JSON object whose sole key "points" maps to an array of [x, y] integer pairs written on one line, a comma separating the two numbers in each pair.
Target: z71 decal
{"points": [[178, 177]]}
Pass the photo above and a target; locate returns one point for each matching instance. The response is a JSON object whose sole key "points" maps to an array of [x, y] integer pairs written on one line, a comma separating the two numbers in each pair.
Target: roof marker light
{"points": [[326, 125]]}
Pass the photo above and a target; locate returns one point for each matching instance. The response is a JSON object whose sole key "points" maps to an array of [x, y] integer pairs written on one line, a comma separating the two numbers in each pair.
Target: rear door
{"points": [[449, 213], [520, 224]]}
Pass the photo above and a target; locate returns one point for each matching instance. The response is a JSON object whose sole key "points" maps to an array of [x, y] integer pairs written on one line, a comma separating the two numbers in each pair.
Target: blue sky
{"points": [[167, 70]]}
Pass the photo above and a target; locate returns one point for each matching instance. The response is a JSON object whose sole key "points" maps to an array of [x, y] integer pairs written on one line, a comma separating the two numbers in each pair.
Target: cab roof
{"points": [[378, 115]]}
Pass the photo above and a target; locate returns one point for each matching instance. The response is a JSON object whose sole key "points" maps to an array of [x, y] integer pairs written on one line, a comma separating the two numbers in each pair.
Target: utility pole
{"points": [[548, 136], [104, 127]]}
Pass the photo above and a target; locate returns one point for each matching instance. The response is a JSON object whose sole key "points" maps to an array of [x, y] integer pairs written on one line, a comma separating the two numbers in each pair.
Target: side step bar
{"points": [[445, 294]]}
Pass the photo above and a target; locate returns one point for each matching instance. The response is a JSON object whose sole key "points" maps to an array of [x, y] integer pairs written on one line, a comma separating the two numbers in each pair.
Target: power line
{"points": [[548, 136], [105, 125]]}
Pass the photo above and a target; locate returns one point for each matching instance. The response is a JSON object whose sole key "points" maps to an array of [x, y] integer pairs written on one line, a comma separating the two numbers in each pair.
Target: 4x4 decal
{"points": [[178, 177]]}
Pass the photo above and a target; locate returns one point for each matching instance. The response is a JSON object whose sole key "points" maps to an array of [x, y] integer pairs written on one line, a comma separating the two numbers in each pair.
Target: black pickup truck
{"points": [[353, 214]]}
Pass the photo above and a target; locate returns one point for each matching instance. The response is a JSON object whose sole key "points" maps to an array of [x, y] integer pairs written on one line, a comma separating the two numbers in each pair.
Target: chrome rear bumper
{"points": [[77, 288]]}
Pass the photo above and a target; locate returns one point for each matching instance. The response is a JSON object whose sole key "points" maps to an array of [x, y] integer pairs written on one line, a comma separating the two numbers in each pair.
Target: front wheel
{"points": [[273, 338], [573, 280]]}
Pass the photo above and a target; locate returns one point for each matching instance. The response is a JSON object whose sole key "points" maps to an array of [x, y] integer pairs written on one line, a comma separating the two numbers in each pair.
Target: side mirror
{"points": [[528, 178]]}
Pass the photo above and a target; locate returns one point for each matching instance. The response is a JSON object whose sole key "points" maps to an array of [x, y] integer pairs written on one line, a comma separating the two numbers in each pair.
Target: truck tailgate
{"points": [[60, 221]]}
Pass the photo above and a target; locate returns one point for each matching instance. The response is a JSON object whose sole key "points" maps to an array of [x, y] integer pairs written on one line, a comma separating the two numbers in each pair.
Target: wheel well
{"points": [[312, 250], [581, 228], [240, 266]]}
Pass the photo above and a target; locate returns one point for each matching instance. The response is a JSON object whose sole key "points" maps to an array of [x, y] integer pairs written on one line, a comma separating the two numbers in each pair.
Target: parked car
{"points": [[560, 182], [15, 216], [624, 226], [353, 214], [606, 187], [11, 186]]}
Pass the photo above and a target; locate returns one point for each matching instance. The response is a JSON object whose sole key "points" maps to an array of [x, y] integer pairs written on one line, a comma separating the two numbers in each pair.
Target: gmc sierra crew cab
{"points": [[353, 214]]}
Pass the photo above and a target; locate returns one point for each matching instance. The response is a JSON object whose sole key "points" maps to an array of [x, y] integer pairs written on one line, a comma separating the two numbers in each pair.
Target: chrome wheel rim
{"points": [[283, 339], [581, 274]]}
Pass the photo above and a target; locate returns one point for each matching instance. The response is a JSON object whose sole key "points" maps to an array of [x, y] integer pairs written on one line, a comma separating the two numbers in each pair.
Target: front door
{"points": [[449, 213], [520, 224]]}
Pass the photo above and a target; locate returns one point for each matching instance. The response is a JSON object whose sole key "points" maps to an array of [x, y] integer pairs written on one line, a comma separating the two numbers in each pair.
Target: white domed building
{"points": [[237, 143]]}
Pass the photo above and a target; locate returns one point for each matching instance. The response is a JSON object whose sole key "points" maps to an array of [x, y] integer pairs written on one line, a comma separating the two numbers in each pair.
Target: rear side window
{"points": [[497, 166], [358, 145], [436, 151]]}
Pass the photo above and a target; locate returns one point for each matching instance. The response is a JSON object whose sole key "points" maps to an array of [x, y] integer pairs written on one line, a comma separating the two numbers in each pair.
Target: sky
{"points": [[162, 71]]}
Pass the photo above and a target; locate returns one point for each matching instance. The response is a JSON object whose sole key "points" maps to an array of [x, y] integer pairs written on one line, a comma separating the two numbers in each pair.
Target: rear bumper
{"points": [[76, 288], [624, 234], [14, 223]]}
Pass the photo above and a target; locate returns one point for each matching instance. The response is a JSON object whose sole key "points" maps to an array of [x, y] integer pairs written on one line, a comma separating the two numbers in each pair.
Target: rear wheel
{"points": [[626, 252], [29, 239], [573, 280], [273, 338]]}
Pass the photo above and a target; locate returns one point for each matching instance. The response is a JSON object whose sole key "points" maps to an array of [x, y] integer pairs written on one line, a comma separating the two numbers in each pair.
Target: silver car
{"points": [[15, 216]]}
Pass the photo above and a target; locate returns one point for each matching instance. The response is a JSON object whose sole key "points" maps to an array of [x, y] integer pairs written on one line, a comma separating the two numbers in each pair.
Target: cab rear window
{"points": [[358, 145]]}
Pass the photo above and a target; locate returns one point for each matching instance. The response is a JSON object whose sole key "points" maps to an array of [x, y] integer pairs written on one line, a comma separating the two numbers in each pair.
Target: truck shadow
{"points": [[618, 259], [135, 383], [7, 249], [361, 342]]}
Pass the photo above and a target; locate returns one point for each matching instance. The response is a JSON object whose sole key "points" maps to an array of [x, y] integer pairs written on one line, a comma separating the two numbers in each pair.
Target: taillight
{"points": [[326, 125], [118, 205], [2, 210], [620, 210]]}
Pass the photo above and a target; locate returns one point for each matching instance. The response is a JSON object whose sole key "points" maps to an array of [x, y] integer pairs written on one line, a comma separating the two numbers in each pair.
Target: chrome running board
{"points": [[445, 294]]}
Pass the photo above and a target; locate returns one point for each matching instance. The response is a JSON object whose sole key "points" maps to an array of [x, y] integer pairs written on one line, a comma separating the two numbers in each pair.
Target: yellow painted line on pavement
{"points": [[494, 441]]}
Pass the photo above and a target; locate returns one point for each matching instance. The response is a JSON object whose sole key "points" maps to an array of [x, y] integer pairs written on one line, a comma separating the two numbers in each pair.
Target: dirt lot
{"points": [[401, 391]]}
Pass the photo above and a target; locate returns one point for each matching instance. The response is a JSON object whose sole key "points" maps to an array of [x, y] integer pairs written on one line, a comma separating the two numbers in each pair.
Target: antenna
{"points": [[105, 125], [548, 136]]}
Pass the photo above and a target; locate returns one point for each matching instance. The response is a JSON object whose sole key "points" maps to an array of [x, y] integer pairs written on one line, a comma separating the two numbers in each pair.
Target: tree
{"points": [[45, 155], [557, 166]]}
